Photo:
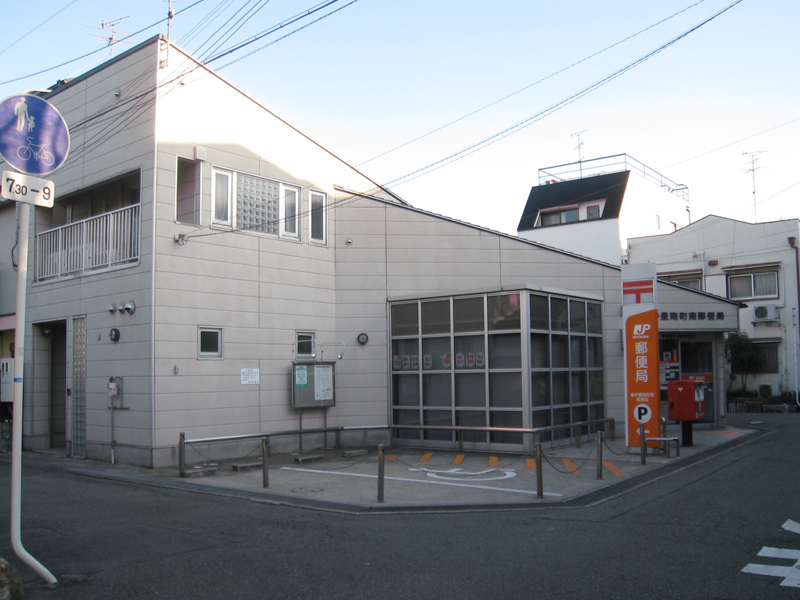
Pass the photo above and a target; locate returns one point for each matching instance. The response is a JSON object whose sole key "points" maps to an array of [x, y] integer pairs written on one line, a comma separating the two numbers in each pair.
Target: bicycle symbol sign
{"points": [[34, 138]]}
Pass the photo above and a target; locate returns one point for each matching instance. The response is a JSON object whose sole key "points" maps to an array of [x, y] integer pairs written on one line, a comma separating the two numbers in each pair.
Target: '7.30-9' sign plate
{"points": [[24, 188]]}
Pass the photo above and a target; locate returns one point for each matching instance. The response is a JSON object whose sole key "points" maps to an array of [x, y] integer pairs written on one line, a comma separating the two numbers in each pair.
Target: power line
{"points": [[51, 17], [69, 62], [543, 79], [480, 145]]}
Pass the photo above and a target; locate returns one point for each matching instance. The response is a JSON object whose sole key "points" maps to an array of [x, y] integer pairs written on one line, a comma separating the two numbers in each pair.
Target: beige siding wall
{"points": [[106, 142], [387, 251]]}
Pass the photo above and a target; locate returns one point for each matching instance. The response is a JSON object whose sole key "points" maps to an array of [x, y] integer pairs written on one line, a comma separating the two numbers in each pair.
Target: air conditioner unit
{"points": [[766, 312], [767, 391]]}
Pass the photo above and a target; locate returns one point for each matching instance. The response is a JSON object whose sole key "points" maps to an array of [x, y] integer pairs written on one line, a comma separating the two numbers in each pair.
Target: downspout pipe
{"points": [[793, 243], [16, 421]]}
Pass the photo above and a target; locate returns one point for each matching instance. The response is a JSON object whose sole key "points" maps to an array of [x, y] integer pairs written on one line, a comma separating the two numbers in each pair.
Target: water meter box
{"points": [[685, 400]]}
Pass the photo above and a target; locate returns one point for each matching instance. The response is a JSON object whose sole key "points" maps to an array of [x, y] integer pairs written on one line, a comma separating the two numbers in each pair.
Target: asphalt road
{"points": [[686, 535]]}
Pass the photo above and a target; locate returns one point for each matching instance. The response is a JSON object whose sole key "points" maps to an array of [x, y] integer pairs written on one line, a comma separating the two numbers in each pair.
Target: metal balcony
{"points": [[96, 244]]}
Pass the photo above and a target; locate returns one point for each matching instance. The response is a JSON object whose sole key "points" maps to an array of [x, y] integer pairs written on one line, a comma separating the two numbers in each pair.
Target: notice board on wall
{"points": [[313, 384]]}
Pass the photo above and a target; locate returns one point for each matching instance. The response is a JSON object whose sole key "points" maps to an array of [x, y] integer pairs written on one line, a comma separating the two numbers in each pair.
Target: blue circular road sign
{"points": [[34, 137]]}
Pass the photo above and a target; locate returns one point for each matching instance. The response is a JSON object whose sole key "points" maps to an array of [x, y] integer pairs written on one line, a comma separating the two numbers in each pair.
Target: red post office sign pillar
{"points": [[642, 374]]}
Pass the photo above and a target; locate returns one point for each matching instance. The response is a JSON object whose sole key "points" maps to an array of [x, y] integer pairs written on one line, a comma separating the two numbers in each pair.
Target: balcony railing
{"points": [[94, 244]]}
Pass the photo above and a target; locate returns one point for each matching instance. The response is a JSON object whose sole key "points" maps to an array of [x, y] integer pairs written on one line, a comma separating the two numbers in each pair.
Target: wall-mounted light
{"points": [[45, 329], [363, 338]]}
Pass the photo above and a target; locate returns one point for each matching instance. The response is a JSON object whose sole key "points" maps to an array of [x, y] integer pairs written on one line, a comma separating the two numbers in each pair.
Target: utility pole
{"points": [[753, 168]]}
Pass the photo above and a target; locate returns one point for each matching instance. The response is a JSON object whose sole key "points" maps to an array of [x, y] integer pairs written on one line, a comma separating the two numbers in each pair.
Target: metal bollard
{"points": [[599, 441], [182, 454], [265, 462], [380, 472], [643, 443], [539, 484]]}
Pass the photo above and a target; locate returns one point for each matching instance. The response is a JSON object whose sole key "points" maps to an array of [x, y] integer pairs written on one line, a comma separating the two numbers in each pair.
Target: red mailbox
{"points": [[685, 400]]}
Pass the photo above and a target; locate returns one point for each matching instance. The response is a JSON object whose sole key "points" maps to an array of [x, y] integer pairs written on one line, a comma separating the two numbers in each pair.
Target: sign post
{"points": [[34, 139], [642, 389]]}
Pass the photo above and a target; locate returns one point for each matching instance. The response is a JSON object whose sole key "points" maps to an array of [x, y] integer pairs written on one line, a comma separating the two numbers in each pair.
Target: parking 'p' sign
{"points": [[34, 137]]}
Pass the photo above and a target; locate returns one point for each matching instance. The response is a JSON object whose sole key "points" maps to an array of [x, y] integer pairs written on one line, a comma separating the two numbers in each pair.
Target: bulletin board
{"points": [[313, 384]]}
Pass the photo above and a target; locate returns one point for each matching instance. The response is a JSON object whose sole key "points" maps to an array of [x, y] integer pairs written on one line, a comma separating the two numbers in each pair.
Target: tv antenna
{"points": [[579, 148], [753, 168], [110, 33]]}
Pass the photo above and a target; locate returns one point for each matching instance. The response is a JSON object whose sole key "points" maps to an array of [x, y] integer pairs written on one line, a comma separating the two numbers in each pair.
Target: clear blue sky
{"points": [[379, 73]]}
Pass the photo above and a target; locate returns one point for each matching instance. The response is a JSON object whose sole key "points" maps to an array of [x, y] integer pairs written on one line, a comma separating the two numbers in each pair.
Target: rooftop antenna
{"points": [[579, 148], [753, 168], [170, 16], [109, 27]]}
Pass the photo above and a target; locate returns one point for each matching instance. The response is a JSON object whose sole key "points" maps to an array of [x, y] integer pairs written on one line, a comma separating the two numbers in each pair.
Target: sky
{"points": [[705, 92]]}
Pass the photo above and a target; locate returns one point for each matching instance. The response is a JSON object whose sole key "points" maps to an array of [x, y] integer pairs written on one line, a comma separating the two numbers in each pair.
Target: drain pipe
{"points": [[16, 422], [793, 243]]}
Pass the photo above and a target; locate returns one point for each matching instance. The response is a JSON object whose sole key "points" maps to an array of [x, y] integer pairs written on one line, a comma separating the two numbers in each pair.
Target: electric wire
{"points": [[50, 18], [69, 62], [204, 22], [234, 28], [527, 87], [496, 137], [275, 28]]}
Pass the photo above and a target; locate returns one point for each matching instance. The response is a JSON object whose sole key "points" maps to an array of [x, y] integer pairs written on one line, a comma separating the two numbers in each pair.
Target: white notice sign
{"points": [[250, 377], [323, 382]]}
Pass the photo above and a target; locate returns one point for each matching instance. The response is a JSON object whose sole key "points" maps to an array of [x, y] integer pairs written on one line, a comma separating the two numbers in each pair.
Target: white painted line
{"points": [[430, 482], [792, 526], [780, 553]]}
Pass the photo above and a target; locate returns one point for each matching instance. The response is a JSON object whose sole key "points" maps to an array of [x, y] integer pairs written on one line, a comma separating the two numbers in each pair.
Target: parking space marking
{"points": [[459, 459], [570, 465], [428, 481], [531, 464], [609, 465], [426, 457], [494, 461]]}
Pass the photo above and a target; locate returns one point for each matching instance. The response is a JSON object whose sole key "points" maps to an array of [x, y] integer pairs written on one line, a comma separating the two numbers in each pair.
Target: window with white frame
{"points": [[557, 217], [753, 285], [221, 197], [255, 204], [305, 343], [267, 206], [318, 216], [209, 342]]}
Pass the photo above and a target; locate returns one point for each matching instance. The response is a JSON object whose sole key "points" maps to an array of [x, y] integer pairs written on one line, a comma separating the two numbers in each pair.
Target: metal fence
{"points": [[577, 428]]}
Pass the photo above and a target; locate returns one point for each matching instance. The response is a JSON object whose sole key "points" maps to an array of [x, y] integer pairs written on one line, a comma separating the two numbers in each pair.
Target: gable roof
{"points": [[609, 187]]}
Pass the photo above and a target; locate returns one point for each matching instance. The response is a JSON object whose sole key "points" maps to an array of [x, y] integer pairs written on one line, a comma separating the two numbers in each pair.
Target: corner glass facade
{"points": [[521, 359]]}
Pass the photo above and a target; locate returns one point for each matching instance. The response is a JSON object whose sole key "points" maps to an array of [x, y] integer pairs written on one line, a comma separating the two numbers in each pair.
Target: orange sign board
{"points": [[643, 401]]}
